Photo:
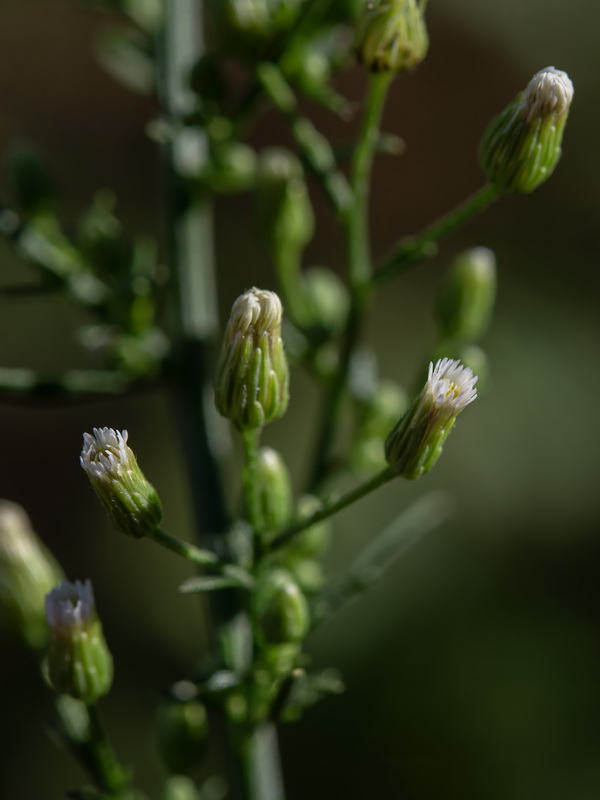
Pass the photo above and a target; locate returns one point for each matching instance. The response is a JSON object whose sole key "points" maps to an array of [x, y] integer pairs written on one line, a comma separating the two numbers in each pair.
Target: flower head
{"points": [[131, 502], [392, 37], [416, 442], [79, 662], [251, 388], [522, 145]]}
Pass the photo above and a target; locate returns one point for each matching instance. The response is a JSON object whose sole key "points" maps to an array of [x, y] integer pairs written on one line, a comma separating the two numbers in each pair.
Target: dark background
{"points": [[472, 671]]}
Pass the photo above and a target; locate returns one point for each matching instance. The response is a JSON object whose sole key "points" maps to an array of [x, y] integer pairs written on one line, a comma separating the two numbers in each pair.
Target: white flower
{"points": [[549, 92], [70, 605], [415, 444], [131, 502]]}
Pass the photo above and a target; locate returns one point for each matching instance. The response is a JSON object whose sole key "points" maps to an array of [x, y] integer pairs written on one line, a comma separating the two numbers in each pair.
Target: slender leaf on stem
{"points": [[428, 513]]}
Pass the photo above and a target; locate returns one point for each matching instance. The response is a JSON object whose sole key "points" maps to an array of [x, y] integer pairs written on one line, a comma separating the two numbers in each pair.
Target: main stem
{"points": [[359, 269], [190, 246]]}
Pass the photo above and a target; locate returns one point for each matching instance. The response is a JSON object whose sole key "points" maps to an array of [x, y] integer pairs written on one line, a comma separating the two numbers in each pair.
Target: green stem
{"points": [[359, 271], [330, 508], [410, 251], [250, 478], [262, 773], [204, 558], [359, 251], [109, 774]]}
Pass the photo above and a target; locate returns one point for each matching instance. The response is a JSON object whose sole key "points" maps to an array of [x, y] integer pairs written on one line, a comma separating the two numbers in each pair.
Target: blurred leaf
{"points": [[208, 583], [121, 52]]}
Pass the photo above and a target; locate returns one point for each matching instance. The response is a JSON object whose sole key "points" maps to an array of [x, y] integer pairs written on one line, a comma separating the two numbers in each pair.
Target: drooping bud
{"points": [[275, 490], [27, 573], [131, 502], [466, 297], [252, 376], [281, 610], [79, 662], [182, 734], [415, 444], [522, 145], [392, 37]]}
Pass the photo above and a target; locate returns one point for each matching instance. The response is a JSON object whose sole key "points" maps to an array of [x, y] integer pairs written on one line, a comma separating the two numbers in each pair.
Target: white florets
{"points": [[549, 92], [256, 310], [104, 451], [450, 385], [70, 605]]}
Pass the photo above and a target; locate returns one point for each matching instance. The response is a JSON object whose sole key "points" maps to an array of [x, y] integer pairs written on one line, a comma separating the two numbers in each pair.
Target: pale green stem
{"points": [[414, 249], [359, 270], [250, 478], [332, 507]]}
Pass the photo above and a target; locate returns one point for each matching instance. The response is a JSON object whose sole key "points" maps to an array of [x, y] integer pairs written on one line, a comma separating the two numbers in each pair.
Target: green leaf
{"points": [[209, 583]]}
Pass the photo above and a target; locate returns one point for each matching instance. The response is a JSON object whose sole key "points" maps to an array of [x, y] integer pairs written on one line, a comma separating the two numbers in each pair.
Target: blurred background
{"points": [[472, 671]]}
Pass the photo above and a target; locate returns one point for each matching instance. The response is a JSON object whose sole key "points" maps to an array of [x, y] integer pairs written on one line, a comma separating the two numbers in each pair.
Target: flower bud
{"points": [[285, 214], [522, 145], [392, 37], [232, 169], [180, 787], [27, 573], [131, 502], [466, 297], [79, 662], [327, 303], [379, 413], [312, 541], [415, 444], [275, 490], [281, 610], [252, 375], [182, 734]]}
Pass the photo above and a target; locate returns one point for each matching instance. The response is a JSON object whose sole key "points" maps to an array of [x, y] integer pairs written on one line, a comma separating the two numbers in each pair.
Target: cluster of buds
{"points": [[522, 145], [79, 662], [131, 502], [252, 376], [415, 444]]}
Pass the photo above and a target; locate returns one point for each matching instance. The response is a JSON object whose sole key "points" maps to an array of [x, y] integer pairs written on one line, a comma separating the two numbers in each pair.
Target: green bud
{"points": [[387, 404], [313, 541], [392, 36], [250, 28], [308, 574], [131, 502], [275, 490], [522, 145], [232, 169], [415, 444], [29, 182], [182, 734], [281, 611], [327, 302], [285, 214], [252, 375], [79, 662], [27, 573], [466, 297]]}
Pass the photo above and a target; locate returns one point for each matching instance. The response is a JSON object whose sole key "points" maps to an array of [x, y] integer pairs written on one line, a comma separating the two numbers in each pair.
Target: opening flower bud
{"points": [[522, 145], [416, 443], [27, 573], [79, 662], [392, 37], [131, 502], [252, 375]]}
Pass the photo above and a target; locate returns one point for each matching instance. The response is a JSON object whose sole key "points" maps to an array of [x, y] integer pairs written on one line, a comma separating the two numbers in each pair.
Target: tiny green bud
{"points": [[415, 444], [252, 375], [180, 787], [466, 297], [285, 214], [281, 610], [79, 662], [233, 169], [275, 490], [182, 734], [131, 502], [392, 37], [327, 302], [27, 573], [522, 145]]}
